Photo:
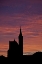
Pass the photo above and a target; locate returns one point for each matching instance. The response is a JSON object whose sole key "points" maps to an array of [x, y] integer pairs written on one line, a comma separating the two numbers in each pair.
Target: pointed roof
{"points": [[20, 30]]}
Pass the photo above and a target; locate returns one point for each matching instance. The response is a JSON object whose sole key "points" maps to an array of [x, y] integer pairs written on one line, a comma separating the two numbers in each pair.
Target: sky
{"points": [[24, 13]]}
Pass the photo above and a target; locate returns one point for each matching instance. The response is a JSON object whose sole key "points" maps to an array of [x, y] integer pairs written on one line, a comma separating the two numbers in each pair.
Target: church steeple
{"points": [[21, 42], [20, 31]]}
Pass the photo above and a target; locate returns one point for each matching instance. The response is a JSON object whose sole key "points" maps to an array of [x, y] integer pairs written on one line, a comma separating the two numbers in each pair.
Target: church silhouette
{"points": [[15, 53], [16, 49]]}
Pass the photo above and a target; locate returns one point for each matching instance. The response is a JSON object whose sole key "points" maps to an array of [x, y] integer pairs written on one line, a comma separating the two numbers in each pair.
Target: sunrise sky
{"points": [[24, 13]]}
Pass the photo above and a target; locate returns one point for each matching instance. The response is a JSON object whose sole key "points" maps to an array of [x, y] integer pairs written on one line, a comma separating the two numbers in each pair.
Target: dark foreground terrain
{"points": [[35, 58]]}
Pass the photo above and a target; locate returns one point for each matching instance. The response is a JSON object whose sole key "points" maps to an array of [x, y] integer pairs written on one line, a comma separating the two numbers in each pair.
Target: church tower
{"points": [[21, 42]]}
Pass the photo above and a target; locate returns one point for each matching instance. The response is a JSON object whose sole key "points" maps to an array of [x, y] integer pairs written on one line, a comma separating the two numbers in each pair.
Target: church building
{"points": [[15, 48]]}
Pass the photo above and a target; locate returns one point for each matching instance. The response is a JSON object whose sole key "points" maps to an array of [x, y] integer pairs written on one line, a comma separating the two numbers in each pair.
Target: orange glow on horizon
{"points": [[32, 48]]}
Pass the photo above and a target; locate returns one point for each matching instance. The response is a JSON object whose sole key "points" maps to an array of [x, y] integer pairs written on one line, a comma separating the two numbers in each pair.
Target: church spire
{"points": [[21, 42], [20, 30]]}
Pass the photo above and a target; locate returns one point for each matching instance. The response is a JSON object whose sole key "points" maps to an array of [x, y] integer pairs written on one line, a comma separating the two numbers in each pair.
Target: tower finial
{"points": [[20, 30]]}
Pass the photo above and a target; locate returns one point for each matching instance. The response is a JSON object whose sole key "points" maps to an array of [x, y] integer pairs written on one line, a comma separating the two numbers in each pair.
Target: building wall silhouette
{"points": [[16, 49], [13, 49]]}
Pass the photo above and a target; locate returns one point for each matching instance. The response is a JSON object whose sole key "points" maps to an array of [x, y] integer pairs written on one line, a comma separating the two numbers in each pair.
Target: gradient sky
{"points": [[24, 13]]}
